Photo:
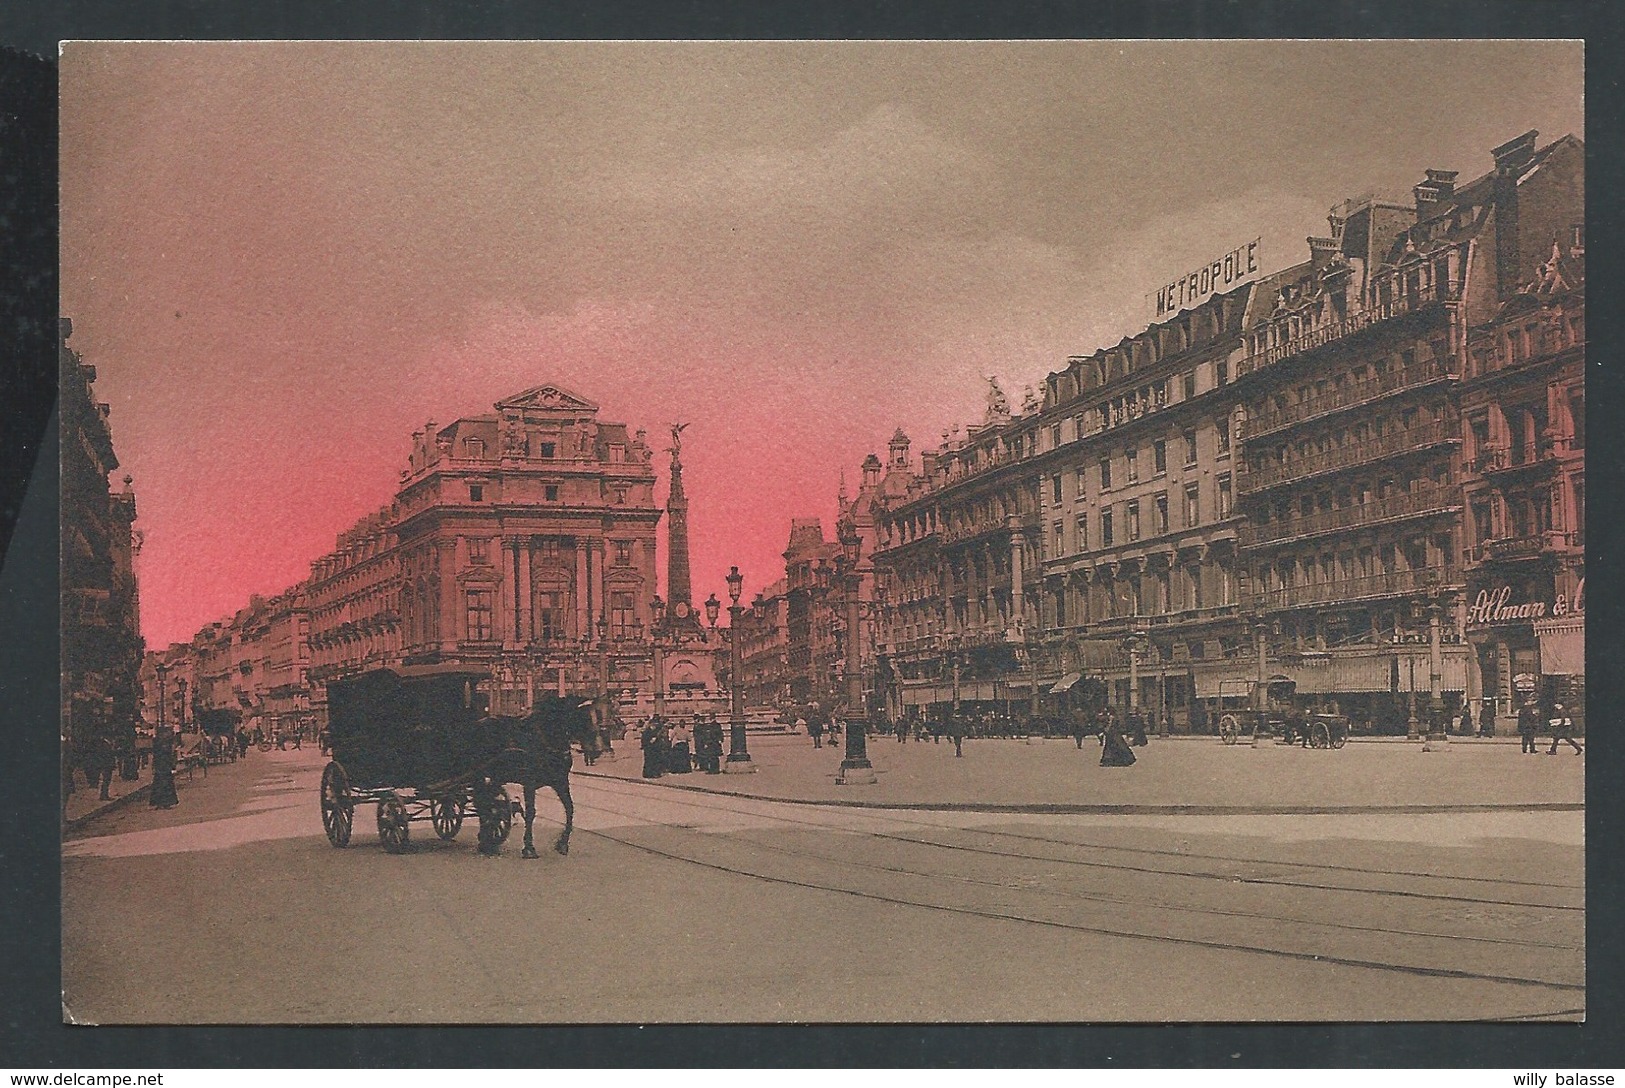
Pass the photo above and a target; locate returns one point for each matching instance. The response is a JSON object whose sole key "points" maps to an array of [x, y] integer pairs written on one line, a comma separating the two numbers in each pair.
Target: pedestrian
{"points": [[1137, 729], [654, 754], [1114, 750], [956, 733], [901, 729], [1528, 723], [681, 743], [708, 744], [1562, 726], [99, 763], [815, 730], [1080, 727], [298, 738], [1486, 718], [1465, 725], [242, 742]]}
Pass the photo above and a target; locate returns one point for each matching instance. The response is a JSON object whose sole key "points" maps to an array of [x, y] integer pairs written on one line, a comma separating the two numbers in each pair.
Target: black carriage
{"points": [[412, 740]]}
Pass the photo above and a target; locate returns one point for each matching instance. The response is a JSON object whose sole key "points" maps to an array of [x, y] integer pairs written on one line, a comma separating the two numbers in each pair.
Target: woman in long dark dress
{"points": [[1114, 749], [654, 749]]}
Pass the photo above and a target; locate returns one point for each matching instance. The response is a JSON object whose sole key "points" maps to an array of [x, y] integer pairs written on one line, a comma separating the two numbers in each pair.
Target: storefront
{"points": [[1521, 626]]}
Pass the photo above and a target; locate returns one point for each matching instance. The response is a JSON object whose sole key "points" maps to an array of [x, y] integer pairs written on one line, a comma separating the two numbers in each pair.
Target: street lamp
{"points": [[855, 768], [180, 684], [603, 654], [162, 792], [738, 757], [656, 633]]}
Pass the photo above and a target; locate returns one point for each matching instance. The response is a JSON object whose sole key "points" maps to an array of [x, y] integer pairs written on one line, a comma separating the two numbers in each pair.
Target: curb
{"points": [[106, 807], [1117, 810]]}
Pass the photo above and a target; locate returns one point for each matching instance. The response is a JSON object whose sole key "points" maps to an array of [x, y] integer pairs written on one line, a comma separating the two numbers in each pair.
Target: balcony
{"points": [[1352, 396], [1392, 444], [1497, 460], [1410, 302], [1343, 590], [1433, 500], [1551, 542]]}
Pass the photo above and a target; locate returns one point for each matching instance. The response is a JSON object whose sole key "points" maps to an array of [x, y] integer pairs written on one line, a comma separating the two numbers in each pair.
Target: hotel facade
{"points": [[1272, 482]]}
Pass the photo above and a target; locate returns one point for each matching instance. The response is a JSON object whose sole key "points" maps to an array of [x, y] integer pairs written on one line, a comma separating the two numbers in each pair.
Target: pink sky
{"points": [[284, 258]]}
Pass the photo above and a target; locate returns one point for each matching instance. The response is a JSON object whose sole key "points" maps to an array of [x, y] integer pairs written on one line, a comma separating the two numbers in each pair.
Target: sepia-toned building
{"points": [[1352, 478], [522, 541], [1267, 481], [1523, 484], [812, 656], [101, 623], [763, 639]]}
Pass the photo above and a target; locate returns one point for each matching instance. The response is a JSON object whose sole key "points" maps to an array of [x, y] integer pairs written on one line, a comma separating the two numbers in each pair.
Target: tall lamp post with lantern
{"points": [[656, 634], [856, 770], [739, 761]]}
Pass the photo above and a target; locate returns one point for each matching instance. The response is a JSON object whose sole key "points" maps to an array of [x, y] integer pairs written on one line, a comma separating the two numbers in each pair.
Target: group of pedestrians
{"points": [[675, 747], [1559, 724]]}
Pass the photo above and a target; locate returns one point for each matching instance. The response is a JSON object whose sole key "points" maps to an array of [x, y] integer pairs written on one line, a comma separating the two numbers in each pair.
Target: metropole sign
{"points": [[1222, 273]]}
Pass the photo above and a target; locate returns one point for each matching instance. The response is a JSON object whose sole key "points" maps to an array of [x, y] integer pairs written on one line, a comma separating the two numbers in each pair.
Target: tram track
{"points": [[1290, 937], [892, 817]]}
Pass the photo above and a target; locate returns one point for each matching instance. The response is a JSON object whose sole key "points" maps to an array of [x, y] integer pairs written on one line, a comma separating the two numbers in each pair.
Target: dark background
{"points": [[31, 1033]]}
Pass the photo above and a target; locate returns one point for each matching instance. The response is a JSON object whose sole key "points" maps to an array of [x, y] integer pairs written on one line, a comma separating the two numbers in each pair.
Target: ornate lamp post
{"points": [[181, 715], [1135, 645], [739, 761], [162, 792], [656, 633], [855, 768]]}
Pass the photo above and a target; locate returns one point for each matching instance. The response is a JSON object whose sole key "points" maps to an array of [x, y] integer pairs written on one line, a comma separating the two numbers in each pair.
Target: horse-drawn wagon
{"points": [[416, 741], [1270, 708]]}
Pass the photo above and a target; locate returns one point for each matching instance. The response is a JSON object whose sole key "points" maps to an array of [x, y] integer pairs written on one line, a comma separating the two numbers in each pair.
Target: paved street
{"points": [[680, 904]]}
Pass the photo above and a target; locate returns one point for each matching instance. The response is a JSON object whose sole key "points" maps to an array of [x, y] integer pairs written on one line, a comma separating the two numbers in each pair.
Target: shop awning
{"points": [[1065, 683], [1562, 647]]}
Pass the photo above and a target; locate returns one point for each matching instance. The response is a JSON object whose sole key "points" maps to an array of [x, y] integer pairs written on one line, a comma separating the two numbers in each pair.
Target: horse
{"points": [[534, 752]]}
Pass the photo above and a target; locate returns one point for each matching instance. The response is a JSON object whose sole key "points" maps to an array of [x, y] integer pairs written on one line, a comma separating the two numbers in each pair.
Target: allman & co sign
{"points": [[1230, 270], [1493, 606]]}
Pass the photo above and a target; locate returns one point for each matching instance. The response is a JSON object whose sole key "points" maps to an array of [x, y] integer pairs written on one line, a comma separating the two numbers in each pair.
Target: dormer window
{"points": [[474, 448]]}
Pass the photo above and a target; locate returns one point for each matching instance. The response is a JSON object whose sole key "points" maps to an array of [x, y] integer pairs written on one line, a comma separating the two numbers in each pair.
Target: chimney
{"points": [[1510, 158], [1321, 250]]}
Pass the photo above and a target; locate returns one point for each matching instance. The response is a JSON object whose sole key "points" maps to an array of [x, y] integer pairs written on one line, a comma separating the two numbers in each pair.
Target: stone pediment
{"points": [[548, 398]]}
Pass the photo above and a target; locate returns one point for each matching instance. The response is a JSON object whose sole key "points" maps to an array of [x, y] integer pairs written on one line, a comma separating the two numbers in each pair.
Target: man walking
{"points": [[956, 733], [1561, 726]]}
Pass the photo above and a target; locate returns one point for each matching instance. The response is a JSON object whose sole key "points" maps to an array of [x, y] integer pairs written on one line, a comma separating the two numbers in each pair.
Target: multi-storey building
{"points": [[1097, 525], [1351, 479], [1266, 482], [811, 652], [1523, 483], [101, 631], [521, 541], [763, 638]]}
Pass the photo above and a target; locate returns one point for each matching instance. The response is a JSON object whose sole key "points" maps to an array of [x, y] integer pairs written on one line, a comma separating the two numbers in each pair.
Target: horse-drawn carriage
{"points": [[1271, 708], [417, 742]]}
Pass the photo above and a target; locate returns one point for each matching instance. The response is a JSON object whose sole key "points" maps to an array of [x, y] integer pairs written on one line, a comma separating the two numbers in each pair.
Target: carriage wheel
{"points": [[1340, 736], [338, 810], [504, 814], [265, 746], [1229, 729], [447, 817], [394, 826], [1319, 735]]}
